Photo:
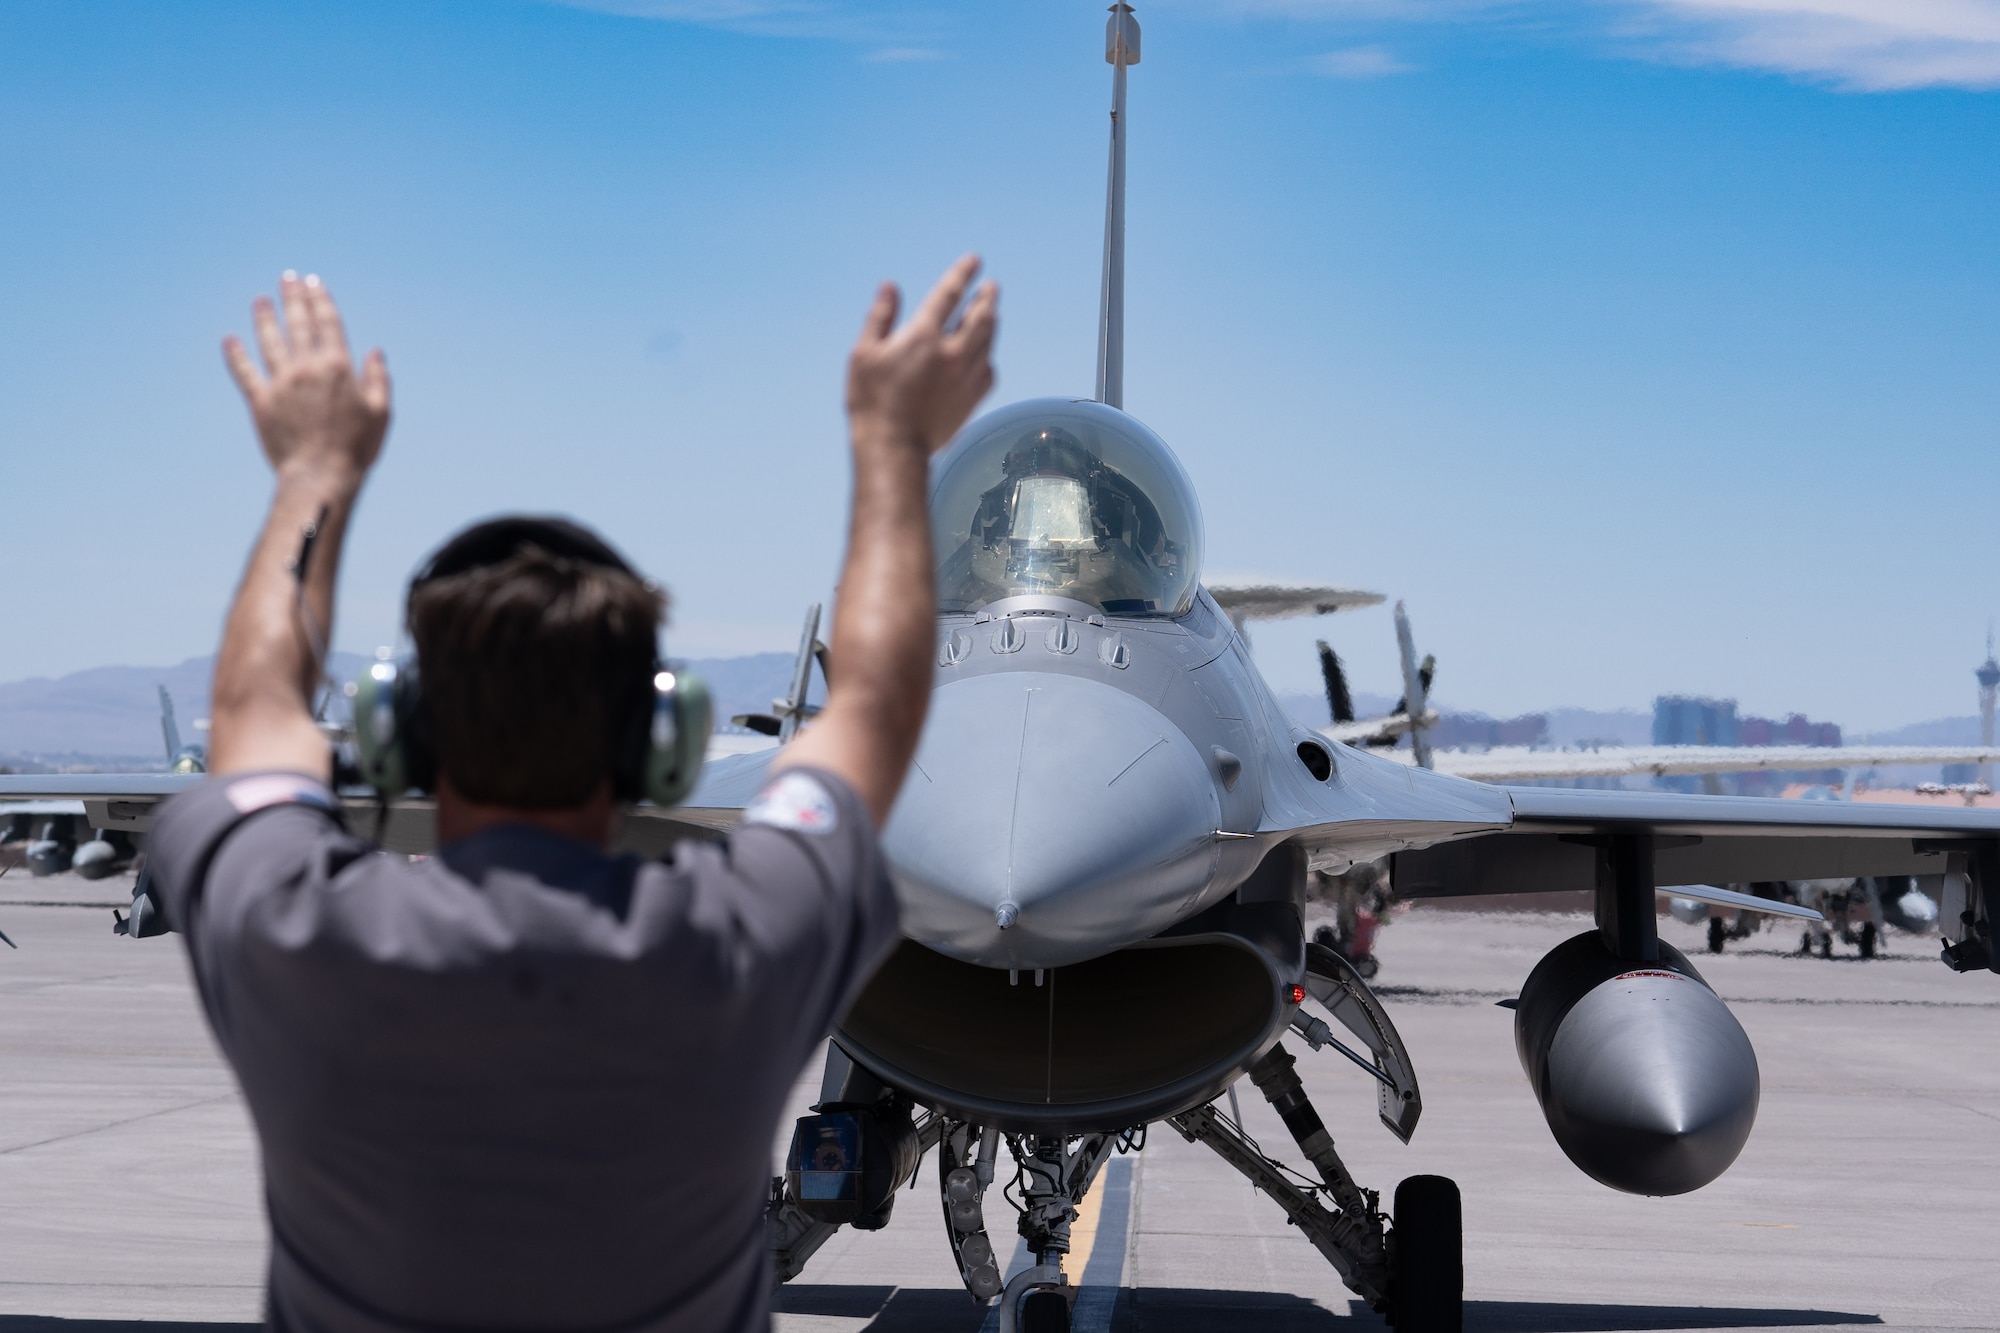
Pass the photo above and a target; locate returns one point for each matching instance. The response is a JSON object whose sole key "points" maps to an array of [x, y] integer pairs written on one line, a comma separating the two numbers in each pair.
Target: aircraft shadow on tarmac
{"points": [[1196, 1310]]}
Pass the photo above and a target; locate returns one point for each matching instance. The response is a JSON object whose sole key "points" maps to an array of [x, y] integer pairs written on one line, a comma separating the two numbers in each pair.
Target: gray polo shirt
{"points": [[521, 1084]]}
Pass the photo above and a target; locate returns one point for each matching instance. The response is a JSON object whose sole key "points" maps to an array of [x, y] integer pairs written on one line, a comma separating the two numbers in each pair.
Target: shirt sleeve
{"points": [[181, 849], [228, 853], [808, 889]]}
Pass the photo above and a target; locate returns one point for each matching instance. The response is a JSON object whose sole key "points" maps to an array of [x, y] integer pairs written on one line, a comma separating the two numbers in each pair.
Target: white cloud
{"points": [[890, 24], [1870, 45], [720, 13], [1357, 62], [1863, 45]]}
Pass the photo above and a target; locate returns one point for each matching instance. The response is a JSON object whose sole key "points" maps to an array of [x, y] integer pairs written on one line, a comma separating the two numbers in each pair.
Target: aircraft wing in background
{"points": [[1526, 765], [127, 802], [1626, 845], [1280, 601]]}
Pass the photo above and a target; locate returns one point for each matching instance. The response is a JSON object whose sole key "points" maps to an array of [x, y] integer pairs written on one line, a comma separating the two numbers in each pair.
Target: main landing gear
{"points": [[1408, 1268]]}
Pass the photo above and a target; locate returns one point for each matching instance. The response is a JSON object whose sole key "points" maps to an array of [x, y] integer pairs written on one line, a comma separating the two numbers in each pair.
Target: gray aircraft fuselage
{"points": [[1087, 779]]}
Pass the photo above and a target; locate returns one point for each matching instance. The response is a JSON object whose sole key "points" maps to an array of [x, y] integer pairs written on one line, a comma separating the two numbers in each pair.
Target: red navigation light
{"points": [[1298, 995]]}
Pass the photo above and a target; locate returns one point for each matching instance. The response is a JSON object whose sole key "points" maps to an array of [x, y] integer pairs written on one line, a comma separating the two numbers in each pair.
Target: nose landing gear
{"points": [[1055, 1173]]}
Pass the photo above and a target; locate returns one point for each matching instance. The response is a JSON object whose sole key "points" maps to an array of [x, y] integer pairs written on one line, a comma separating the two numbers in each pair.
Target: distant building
{"points": [[1476, 731], [1680, 719], [1794, 730]]}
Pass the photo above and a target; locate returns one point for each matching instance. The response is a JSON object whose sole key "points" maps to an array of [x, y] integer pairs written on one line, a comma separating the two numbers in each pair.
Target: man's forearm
{"points": [[908, 392], [887, 612], [277, 631], [882, 630]]}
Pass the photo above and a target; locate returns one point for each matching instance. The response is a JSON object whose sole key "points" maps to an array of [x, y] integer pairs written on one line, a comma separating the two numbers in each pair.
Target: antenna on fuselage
{"points": [[1121, 48]]}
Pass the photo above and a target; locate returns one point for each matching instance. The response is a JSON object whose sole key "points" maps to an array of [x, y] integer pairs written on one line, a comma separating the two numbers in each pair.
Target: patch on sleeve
{"points": [[797, 801], [268, 789]]}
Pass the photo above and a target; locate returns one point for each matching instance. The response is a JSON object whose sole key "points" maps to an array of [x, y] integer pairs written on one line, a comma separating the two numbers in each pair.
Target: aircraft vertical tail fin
{"points": [[1121, 48], [170, 731], [1416, 688]]}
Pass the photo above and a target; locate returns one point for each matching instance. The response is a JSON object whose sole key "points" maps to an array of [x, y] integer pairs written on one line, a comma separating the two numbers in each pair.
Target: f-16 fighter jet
{"points": [[1102, 853]]}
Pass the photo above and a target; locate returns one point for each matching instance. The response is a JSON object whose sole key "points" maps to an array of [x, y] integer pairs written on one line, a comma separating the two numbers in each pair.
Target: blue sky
{"points": [[1641, 346]]}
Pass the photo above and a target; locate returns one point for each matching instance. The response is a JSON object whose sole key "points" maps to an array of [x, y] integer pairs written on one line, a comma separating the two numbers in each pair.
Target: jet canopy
{"points": [[1064, 499]]}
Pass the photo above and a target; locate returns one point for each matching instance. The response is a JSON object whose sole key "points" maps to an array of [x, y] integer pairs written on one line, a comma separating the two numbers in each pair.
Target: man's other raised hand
{"points": [[314, 414], [914, 387]]}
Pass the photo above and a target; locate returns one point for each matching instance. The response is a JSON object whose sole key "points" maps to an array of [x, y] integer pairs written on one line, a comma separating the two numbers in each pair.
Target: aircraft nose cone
{"points": [[1652, 1085], [1048, 819]]}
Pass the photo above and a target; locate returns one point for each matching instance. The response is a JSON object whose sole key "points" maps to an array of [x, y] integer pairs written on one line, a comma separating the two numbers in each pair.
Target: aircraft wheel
{"points": [[1044, 1311], [1868, 940], [1716, 934], [1427, 1282]]}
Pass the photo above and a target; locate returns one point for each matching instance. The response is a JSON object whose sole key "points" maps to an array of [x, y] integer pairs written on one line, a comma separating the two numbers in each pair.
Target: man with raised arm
{"points": [[526, 1083]]}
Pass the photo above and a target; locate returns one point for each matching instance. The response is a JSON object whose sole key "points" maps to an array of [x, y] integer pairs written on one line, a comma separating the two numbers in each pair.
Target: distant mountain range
{"points": [[109, 717]]}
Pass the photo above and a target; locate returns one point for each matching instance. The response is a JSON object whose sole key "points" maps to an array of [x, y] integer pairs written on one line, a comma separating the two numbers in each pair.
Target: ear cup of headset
{"points": [[390, 749], [393, 754], [679, 740]]}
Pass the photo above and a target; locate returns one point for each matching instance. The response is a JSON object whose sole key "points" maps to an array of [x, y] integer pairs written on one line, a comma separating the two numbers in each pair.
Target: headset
{"points": [[660, 757]]}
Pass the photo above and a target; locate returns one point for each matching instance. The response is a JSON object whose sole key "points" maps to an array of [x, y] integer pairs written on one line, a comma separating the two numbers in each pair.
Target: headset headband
{"points": [[501, 539]]}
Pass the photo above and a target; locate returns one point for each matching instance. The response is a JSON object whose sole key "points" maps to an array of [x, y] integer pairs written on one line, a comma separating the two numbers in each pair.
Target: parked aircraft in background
{"points": [[50, 828]]}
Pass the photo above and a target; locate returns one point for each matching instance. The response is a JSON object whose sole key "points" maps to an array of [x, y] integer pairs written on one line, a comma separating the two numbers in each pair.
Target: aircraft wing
{"points": [[11, 808], [1552, 841], [1452, 837], [1516, 764], [128, 801], [106, 800], [1277, 601]]}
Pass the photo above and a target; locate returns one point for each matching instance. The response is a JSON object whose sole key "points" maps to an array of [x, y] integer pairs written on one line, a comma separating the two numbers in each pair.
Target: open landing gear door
{"points": [[1332, 981]]}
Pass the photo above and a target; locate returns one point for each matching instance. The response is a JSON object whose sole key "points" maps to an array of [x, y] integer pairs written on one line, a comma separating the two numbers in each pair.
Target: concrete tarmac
{"points": [[1869, 1193]]}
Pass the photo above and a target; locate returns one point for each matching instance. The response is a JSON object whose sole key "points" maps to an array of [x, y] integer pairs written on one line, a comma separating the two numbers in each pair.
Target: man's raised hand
{"points": [[314, 414], [916, 385]]}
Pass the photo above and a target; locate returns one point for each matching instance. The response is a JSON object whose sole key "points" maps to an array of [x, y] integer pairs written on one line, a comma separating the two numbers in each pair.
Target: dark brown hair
{"points": [[536, 646]]}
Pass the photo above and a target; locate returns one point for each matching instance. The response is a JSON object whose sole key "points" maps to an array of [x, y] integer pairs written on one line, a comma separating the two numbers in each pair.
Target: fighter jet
{"points": [[48, 828], [1102, 851]]}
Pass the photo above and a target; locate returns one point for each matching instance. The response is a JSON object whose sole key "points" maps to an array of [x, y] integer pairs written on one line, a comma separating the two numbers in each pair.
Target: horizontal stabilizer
{"points": [[1370, 730], [1279, 601], [1748, 902]]}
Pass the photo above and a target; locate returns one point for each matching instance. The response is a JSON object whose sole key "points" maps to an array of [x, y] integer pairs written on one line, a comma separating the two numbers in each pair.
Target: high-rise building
{"points": [[1680, 719], [1989, 686]]}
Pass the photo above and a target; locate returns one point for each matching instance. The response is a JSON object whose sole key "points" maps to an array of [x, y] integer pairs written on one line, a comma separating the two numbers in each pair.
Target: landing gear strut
{"points": [[1413, 1274], [1053, 1173], [1410, 1271], [1352, 1234]]}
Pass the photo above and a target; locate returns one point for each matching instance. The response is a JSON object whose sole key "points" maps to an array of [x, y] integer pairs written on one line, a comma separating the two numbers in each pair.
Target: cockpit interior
{"points": [[1065, 499]]}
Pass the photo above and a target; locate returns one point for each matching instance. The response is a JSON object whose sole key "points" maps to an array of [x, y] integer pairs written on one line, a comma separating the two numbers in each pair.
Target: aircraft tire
{"points": [[1427, 1284], [1044, 1311], [1715, 934], [1868, 940]]}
